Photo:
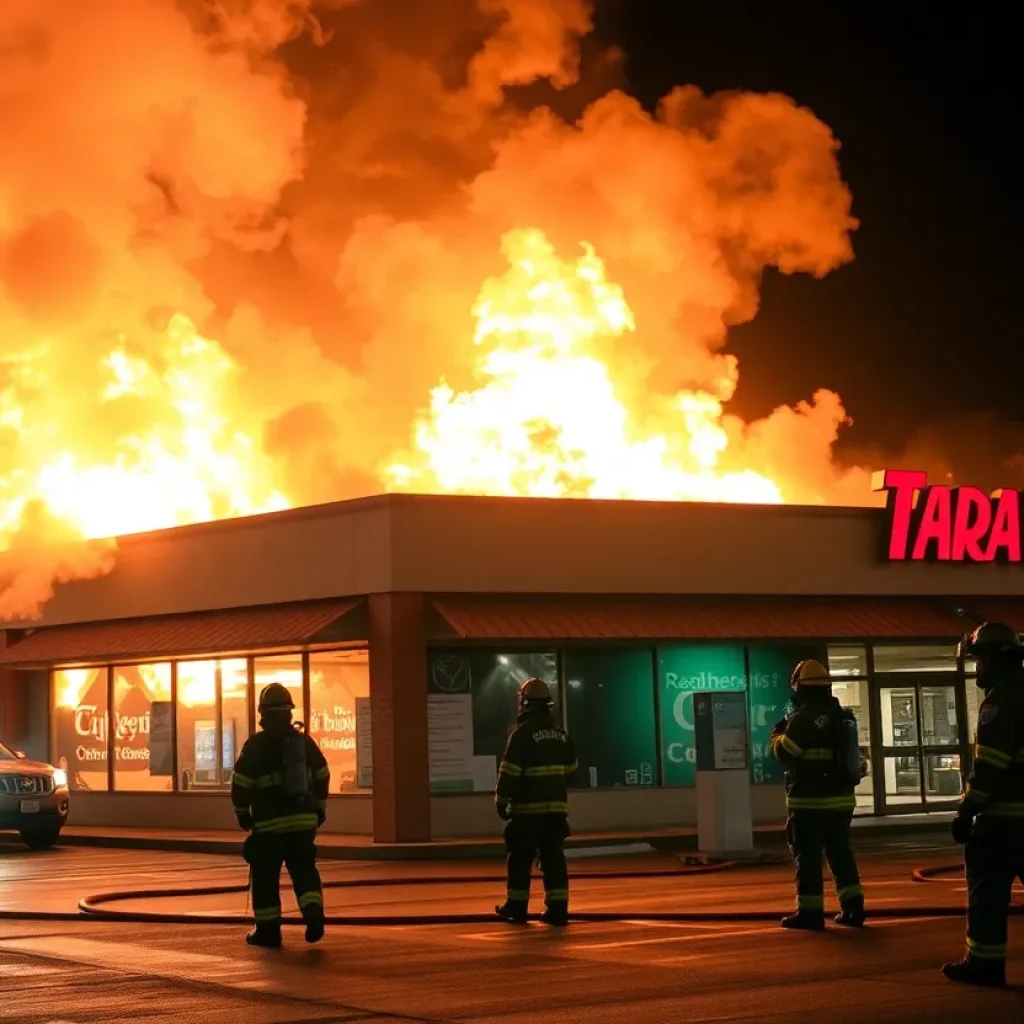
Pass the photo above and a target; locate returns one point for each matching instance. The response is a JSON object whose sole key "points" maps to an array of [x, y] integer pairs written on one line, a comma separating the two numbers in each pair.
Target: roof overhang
{"points": [[698, 618], [236, 630]]}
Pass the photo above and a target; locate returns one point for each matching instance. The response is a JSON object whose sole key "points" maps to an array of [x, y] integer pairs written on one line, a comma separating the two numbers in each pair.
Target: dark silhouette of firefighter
{"points": [[990, 818], [532, 798], [818, 745], [279, 791]]}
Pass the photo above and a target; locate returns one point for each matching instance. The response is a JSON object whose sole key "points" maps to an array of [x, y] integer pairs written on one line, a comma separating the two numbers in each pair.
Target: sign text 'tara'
{"points": [[948, 524]]}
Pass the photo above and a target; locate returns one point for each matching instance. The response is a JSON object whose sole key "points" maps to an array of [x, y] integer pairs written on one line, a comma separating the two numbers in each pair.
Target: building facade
{"points": [[404, 624]]}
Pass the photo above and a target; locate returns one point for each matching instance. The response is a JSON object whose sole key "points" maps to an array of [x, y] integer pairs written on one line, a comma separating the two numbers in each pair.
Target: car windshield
{"points": [[7, 754]]}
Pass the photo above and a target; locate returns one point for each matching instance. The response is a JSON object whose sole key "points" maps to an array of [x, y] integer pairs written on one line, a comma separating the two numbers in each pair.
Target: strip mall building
{"points": [[404, 624]]}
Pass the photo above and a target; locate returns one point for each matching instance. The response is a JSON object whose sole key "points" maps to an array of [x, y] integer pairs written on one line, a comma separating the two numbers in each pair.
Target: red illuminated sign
{"points": [[947, 524]]}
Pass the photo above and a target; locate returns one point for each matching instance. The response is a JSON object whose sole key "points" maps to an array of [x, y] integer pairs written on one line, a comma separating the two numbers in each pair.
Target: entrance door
{"points": [[922, 738]]}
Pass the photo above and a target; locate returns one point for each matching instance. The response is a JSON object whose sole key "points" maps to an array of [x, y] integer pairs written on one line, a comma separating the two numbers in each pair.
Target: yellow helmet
{"points": [[810, 673], [535, 691], [275, 697]]}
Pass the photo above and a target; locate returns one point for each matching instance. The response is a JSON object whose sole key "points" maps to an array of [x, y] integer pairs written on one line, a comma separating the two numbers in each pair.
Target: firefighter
{"points": [[820, 798], [279, 791], [531, 797], [990, 818]]}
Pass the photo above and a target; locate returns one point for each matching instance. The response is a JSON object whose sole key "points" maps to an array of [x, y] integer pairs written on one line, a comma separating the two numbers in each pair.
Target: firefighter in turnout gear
{"points": [[531, 797], [279, 791], [816, 744], [990, 819]]}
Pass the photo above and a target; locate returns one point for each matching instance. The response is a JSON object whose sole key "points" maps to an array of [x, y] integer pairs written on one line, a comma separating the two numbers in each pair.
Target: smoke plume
{"points": [[241, 242], [42, 553]]}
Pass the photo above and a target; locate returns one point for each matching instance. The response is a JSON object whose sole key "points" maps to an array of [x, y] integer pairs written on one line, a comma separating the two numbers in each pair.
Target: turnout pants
{"points": [[266, 853], [530, 836], [994, 858], [808, 834]]}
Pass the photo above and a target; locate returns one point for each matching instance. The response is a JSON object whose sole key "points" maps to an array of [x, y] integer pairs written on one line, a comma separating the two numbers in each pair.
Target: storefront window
{"points": [[80, 721], [847, 660], [211, 713], [471, 708], [142, 728], [339, 697], [234, 711], [682, 671], [610, 712], [915, 657], [285, 669]]}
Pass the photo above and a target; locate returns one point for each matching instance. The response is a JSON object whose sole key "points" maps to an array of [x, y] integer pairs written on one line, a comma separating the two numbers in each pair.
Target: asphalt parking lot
{"points": [[74, 972]]}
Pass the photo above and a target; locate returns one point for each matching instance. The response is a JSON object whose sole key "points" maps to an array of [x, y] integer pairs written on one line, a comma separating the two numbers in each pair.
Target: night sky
{"points": [[920, 334]]}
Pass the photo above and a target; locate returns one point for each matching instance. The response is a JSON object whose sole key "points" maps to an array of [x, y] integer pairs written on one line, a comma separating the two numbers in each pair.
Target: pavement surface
{"points": [[340, 846], [56, 972]]}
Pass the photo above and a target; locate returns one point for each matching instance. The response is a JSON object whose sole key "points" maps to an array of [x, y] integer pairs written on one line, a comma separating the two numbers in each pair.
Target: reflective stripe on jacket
{"points": [[806, 746], [257, 786], [995, 787], [538, 758]]}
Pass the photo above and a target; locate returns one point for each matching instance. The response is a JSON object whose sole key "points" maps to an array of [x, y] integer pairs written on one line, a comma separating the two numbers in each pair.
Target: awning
{"points": [[1010, 612], [214, 632], [697, 618]]}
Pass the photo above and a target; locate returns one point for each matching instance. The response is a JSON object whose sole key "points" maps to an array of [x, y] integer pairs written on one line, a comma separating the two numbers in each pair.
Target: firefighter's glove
{"points": [[502, 811], [245, 822], [963, 825]]}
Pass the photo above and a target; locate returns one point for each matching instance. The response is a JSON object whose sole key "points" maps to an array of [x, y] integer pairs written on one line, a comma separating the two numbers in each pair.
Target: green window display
{"points": [[683, 671]]}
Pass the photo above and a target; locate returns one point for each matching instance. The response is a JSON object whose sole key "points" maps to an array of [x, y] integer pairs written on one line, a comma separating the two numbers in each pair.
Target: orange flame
{"points": [[328, 214], [197, 465], [549, 420]]}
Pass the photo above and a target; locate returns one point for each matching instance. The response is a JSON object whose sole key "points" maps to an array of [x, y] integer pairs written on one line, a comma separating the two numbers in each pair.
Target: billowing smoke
{"points": [[241, 242], [41, 553], [971, 449]]}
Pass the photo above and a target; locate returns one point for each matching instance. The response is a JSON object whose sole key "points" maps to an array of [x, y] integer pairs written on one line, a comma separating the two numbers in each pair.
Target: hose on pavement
{"points": [[98, 907]]}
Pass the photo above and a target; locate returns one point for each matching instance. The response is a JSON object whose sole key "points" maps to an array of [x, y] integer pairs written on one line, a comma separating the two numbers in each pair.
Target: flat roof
{"points": [[456, 544]]}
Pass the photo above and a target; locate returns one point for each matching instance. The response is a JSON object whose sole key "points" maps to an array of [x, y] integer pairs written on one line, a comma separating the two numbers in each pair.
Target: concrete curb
{"points": [[470, 849]]}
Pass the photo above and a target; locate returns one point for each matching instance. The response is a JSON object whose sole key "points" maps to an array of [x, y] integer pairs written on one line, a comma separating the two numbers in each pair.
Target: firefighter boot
{"points": [[991, 973], [512, 911], [805, 920], [556, 913], [313, 916], [268, 936], [852, 915]]}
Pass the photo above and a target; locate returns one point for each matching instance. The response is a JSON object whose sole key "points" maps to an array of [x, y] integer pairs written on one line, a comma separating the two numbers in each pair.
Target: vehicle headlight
{"points": [[60, 778]]}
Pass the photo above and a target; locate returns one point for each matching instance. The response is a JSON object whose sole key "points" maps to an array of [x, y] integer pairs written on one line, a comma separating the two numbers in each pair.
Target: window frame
{"points": [[250, 656]]}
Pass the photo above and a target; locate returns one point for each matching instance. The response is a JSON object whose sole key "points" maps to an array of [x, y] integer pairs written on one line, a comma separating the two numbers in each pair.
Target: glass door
{"points": [[922, 739]]}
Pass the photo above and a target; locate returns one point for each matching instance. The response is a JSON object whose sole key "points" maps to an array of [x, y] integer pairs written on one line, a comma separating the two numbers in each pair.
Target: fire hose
{"points": [[98, 908]]}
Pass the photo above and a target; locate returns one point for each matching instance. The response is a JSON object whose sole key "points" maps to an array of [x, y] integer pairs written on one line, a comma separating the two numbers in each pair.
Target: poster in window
{"points": [[364, 743], [205, 749], [161, 738], [450, 723]]}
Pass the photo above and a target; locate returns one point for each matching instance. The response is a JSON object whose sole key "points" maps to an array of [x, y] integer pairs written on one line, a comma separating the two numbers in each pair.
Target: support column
{"points": [[398, 709], [14, 724]]}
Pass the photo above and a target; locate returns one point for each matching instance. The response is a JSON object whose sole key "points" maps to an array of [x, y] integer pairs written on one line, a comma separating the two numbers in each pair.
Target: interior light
{"points": [[502, 659]]}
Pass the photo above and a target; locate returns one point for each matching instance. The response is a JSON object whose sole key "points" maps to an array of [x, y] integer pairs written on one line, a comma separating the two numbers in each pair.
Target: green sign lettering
{"points": [[682, 671]]}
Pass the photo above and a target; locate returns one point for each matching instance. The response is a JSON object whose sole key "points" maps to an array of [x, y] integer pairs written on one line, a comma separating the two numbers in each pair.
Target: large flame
{"points": [[550, 421], [233, 274], [191, 463]]}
